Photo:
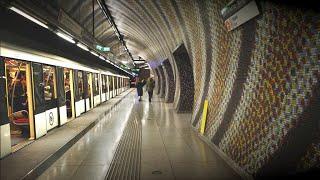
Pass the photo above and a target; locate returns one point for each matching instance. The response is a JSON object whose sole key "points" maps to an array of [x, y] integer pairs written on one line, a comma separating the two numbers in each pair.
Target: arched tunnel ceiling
{"points": [[82, 12], [150, 27]]}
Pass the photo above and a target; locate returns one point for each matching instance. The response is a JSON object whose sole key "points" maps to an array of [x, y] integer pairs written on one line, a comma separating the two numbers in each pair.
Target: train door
{"points": [[19, 102], [86, 93], [50, 96], [5, 142], [69, 93], [79, 92], [122, 84], [96, 89], [108, 87], [61, 96], [89, 100], [103, 84], [113, 87], [117, 85]]}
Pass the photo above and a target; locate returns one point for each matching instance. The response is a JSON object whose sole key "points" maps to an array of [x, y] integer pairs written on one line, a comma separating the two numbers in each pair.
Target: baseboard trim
{"points": [[228, 160]]}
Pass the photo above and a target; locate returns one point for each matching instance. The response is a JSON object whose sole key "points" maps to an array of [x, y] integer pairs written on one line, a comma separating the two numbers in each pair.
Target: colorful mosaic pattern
{"points": [[285, 66], [196, 48], [170, 88], [311, 158]]}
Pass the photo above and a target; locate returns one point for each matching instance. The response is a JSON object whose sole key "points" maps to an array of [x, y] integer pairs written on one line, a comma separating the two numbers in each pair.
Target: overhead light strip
{"points": [[29, 17], [65, 37], [82, 46], [92, 52]]}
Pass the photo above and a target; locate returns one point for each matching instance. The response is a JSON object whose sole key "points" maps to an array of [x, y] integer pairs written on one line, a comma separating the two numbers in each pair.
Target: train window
{"points": [[89, 85], [80, 84], [104, 87], [49, 76], [96, 84], [110, 83], [68, 92]]}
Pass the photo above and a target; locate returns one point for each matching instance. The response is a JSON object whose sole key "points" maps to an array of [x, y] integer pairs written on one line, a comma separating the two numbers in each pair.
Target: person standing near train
{"points": [[150, 87], [139, 86]]}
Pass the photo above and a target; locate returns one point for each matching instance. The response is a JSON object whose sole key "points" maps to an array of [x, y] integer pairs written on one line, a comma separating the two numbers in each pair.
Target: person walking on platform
{"points": [[150, 87], [139, 86]]}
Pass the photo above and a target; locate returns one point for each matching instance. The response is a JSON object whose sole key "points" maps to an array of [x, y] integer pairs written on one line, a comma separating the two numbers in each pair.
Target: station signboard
{"points": [[238, 12]]}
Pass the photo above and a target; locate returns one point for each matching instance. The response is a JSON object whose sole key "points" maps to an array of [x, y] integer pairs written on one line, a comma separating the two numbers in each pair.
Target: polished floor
{"points": [[169, 150]]}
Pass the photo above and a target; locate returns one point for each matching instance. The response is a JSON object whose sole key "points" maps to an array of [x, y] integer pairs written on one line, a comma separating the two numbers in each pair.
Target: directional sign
{"points": [[101, 48]]}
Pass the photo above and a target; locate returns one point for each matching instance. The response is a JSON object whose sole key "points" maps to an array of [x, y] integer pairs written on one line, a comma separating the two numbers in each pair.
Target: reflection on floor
{"points": [[169, 148]]}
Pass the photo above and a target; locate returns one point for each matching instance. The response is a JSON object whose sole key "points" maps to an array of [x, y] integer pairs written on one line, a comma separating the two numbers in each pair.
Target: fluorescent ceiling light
{"points": [[29, 17], [92, 52], [146, 65], [139, 62], [82, 46], [65, 37], [101, 57]]}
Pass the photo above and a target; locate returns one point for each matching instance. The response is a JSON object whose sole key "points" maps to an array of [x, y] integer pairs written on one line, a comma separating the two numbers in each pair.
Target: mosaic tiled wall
{"points": [[186, 83], [163, 81], [170, 84], [259, 79], [158, 81]]}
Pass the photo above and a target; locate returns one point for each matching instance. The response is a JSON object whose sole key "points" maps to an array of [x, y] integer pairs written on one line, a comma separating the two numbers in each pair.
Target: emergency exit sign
{"points": [[102, 48]]}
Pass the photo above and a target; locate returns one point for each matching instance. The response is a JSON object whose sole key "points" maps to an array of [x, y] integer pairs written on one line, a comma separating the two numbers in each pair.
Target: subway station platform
{"points": [[127, 139]]}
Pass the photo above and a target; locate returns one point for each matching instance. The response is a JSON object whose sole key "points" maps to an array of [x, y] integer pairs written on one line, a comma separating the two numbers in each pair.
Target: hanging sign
{"points": [[101, 48], [237, 12], [69, 23]]}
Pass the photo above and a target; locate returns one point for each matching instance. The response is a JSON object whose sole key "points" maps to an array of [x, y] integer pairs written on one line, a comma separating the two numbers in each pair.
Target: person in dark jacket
{"points": [[139, 86], [150, 87]]}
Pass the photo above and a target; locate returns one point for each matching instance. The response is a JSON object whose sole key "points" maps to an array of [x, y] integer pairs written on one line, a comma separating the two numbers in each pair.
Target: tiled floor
{"points": [[31, 159], [170, 149]]}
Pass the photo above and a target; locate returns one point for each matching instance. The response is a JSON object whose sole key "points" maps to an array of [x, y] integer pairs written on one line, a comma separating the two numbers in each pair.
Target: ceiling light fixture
{"points": [[82, 46], [65, 37], [29, 17], [92, 52]]}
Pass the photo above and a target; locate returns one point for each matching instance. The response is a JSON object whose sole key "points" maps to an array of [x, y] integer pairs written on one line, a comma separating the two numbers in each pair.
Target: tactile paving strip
{"points": [[126, 162]]}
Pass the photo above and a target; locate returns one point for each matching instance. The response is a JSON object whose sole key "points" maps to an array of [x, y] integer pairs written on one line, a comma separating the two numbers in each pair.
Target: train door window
{"points": [[110, 87], [68, 86], [90, 89], [80, 85], [19, 98], [96, 84], [104, 87], [106, 83], [49, 79]]}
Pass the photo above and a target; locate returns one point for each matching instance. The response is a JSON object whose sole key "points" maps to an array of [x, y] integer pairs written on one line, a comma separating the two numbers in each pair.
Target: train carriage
{"points": [[43, 92]]}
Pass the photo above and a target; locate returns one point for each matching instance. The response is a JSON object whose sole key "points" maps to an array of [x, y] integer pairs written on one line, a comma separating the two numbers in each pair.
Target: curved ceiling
{"points": [[150, 28], [91, 17]]}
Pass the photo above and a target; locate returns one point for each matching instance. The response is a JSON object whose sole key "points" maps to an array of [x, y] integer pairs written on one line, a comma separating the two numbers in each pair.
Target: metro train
{"points": [[39, 92]]}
